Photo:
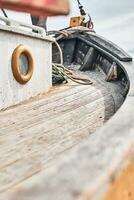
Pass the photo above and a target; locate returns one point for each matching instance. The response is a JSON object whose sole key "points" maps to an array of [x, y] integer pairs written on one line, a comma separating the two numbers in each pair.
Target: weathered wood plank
{"points": [[35, 135]]}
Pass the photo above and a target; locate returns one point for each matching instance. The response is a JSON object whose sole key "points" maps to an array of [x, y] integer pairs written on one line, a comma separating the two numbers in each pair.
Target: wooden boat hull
{"points": [[92, 53], [62, 119]]}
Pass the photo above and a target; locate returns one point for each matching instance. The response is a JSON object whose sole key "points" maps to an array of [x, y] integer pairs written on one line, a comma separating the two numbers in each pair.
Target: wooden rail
{"points": [[88, 171]]}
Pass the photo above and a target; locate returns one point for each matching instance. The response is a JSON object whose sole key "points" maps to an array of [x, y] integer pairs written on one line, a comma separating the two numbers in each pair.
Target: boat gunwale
{"points": [[90, 175], [14, 27]]}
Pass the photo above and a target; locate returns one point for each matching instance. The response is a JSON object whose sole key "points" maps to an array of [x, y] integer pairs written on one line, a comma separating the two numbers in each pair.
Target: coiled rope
{"points": [[60, 73], [60, 70]]}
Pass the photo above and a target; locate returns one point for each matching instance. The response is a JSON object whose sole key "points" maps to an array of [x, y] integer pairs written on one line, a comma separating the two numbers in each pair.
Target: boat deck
{"points": [[37, 133]]}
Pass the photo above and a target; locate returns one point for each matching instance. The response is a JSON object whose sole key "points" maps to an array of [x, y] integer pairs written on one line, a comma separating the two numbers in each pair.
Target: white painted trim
{"points": [[24, 29]]}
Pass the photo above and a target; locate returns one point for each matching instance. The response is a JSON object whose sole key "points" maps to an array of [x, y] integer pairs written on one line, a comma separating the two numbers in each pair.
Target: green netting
{"points": [[58, 74]]}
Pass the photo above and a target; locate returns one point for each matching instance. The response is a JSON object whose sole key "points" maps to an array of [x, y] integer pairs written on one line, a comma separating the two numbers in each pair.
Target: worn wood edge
{"points": [[123, 186], [9, 123], [92, 184], [41, 162], [116, 146]]}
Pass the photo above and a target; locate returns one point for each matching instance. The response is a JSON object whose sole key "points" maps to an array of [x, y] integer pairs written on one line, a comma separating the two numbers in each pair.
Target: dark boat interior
{"points": [[88, 54]]}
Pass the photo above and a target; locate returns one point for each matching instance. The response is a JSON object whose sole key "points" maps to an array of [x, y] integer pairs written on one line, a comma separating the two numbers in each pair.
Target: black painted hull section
{"points": [[89, 51]]}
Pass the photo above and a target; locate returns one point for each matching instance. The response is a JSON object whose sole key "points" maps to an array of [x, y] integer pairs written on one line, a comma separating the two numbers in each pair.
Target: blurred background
{"points": [[113, 20]]}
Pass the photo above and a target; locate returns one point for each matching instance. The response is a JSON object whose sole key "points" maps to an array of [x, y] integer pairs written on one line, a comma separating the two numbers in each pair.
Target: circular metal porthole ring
{"points": [[22, 79]]}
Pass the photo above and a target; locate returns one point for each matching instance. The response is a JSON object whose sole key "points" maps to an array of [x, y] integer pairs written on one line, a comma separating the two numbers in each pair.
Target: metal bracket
{"points": [[20, 25]]}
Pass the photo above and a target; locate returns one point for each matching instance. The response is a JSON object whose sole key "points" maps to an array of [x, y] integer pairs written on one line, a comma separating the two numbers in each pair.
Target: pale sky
{"points": [[112, 19]]}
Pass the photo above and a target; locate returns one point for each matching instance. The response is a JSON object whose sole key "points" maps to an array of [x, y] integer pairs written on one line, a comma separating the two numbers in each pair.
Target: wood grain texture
{"points": [[38, 133]]}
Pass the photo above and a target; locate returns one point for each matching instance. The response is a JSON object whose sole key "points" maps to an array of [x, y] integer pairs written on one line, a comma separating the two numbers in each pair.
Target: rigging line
{"points": [[5, 14], [79, 2], [82, 11]]}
